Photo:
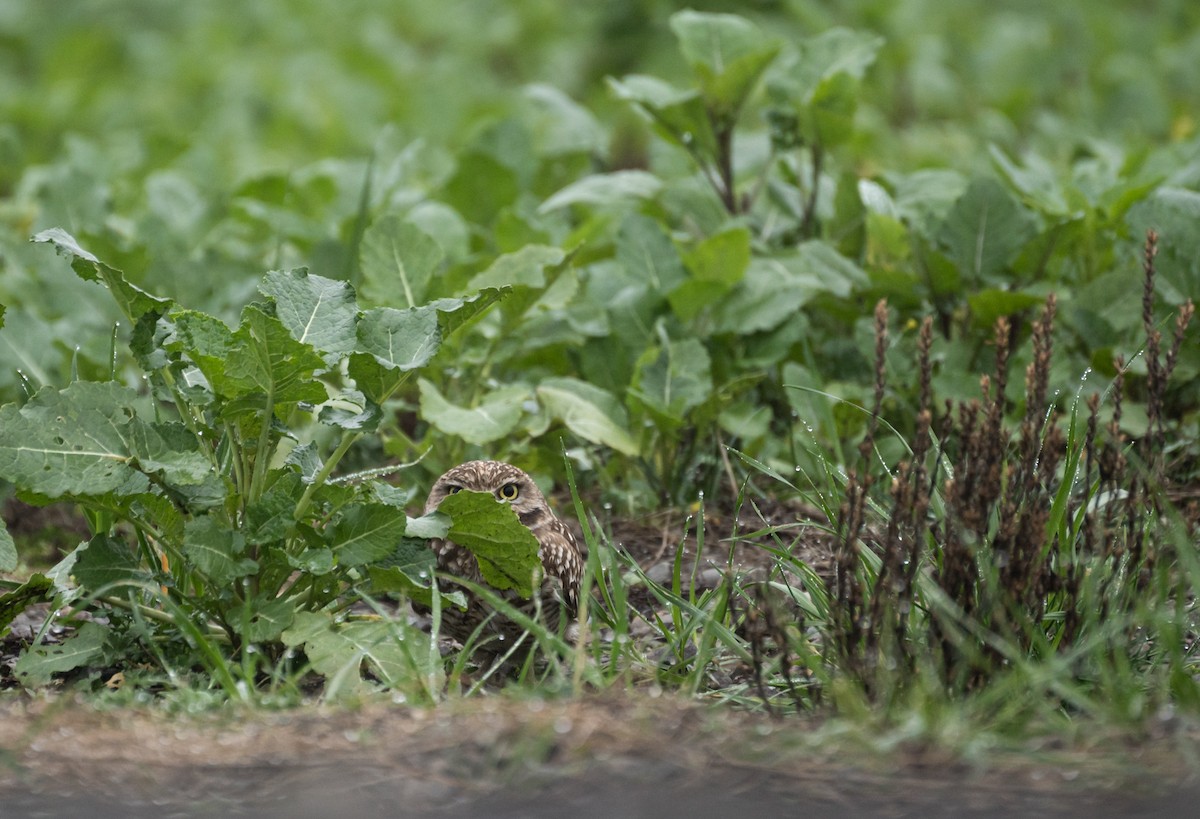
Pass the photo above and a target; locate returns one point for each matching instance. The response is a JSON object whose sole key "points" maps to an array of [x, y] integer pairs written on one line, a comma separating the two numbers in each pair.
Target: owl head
{"points": [[504, 482]]}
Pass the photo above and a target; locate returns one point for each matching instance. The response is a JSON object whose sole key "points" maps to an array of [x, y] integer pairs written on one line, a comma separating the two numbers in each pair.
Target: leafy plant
{"points": [[220, 534]]}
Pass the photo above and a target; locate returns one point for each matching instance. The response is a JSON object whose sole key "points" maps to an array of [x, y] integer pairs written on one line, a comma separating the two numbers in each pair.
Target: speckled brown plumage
{"points": [[559, 553]]}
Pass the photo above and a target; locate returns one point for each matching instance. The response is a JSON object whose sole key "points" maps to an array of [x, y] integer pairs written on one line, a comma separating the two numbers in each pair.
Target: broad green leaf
{"points": [[77, 441], [799, 75], [559, 124], [525, 268], [819, 81], [454, 313], [985, 229], [106, 562], [673, 378], [216, 551], [679, 116], [727, 53], [716, 264], [589, 412], [1175, 213], [133, 301], [1035, 179], [774, 288], [400, 339], [8, 553], [428, 526], [38, 588], [39, 662], [269, 618], [408, 571], [338, 651], [989, 305], [393, 343], [605, 189], [648, 255], [317, 311], [270, 518], [481, 187], [495, 417], [506, 550], [266, 359], [397, 259], [366, 533], [351, 410], [208, 342], [168, 449]]}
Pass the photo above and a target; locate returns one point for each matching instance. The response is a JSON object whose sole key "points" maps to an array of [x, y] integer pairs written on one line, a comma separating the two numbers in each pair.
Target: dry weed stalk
{"points": [[998, 556]]}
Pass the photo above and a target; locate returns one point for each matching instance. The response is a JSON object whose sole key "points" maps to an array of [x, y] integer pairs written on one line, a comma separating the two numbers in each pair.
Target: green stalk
{"points": [[348, 440], [259, 475]]}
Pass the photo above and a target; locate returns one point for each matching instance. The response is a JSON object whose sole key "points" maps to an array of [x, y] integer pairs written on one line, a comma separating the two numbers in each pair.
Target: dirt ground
{"points": [[616, 755]]}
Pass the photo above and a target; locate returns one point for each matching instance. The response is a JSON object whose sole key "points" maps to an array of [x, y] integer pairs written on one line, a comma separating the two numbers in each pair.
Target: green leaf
{"points": [[393, 343], [266, 359], [678, 116], [774, 288], [454, 313], [481, 187], [716, 264], [397, 259], [526, 267], [77, 441], [39, 662], [208, 342], [989, 305], [408, 570], [605, 190], [216, 550], [269, 618], [819, 81], [366, 533], [985, 229], [506, 550], [799, 76], [589, 412], [351, 411], [672, 378], [648, 254], [107, 561], [37, 589], [400, 339], [133, 301], [727, 53], [8, 552], [494, 418], [317, 311], [338, 651]]}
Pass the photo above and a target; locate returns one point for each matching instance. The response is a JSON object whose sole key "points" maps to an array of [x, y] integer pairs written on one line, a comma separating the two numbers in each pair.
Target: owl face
{"points": [[504, 482]]}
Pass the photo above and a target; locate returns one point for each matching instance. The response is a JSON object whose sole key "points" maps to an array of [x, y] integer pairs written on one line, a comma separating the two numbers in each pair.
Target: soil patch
{"points": [[628, 755]]}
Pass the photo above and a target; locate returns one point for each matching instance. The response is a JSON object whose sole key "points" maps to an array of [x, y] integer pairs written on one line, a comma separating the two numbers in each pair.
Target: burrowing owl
{"points": [[557, 549]]}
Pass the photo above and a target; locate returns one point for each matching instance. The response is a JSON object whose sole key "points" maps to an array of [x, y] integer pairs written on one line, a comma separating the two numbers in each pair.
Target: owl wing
{"points": [[561, 558]]}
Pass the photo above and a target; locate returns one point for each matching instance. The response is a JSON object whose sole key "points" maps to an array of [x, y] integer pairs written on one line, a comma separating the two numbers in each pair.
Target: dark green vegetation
{"points": [[664, 258]]}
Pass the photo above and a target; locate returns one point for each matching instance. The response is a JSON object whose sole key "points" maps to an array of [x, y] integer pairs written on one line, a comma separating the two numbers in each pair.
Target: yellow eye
{"points": [[509, 491], [451, 489]]}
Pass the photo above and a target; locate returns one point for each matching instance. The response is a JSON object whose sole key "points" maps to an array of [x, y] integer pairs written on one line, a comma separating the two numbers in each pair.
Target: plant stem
{"points": [[348, 440]]}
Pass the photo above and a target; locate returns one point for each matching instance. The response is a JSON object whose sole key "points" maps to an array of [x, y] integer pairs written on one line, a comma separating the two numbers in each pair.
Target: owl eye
{"points": [[509, 492], [451, 489]]}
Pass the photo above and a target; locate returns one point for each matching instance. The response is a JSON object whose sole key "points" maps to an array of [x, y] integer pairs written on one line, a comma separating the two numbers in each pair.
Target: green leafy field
{"points": [[288, 265]]}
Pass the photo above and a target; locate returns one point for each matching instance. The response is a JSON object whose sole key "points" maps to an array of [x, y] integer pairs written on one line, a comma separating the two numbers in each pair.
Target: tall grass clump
{"points": [[1011, 563]]}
